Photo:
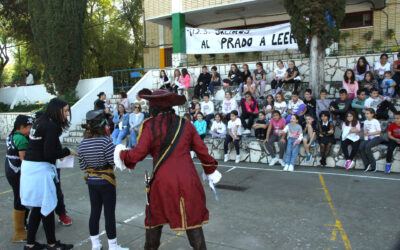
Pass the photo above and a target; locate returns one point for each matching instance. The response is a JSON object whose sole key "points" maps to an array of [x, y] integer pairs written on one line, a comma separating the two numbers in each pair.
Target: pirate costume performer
{"points": [[17, 142], [175, 195], [96, 157]]}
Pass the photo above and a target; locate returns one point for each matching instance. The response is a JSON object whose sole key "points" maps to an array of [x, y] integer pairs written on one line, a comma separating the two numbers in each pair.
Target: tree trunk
{"points": [[317, 62]]}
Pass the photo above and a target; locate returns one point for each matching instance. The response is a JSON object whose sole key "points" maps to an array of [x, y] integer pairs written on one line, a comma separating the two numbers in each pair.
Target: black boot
{"points": [[153, 237], [196, 239]]}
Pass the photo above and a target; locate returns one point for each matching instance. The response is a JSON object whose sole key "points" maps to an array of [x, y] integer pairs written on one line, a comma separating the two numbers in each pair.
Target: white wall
{"points": [[88, 89], [145, 82], [25, 95], [7, 123]]}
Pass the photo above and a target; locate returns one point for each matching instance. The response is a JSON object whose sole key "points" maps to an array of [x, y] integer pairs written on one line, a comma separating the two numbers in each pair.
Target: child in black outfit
{"points": [[260, 127], [326, 138]]}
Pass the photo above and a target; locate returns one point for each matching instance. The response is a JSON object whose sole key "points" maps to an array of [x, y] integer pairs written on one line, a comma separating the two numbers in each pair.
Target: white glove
{"points": [[214, 177], [117, 160]]}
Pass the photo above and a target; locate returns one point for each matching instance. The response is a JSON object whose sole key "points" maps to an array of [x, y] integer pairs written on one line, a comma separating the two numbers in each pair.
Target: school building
{"points": [[369, 27]]}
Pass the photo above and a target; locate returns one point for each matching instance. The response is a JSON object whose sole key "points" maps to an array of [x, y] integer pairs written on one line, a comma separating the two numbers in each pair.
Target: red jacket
{"points": [[177, 196]]}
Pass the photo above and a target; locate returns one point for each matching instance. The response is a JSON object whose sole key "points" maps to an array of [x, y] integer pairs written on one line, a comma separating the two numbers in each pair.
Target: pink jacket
{"points": [[185, 81], [351, 88]]}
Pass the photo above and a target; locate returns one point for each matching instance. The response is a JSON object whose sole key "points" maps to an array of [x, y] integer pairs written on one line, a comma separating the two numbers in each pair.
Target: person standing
{"points": [[38, 171], [29, 78], [17, 142], [175, 193], [100, 103], [96, 157]]}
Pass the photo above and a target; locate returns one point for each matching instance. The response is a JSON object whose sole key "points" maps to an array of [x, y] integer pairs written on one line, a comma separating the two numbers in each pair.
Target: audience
{"points": [[275, 134], [279, 75], [215, 80], [184, 80], [380, 104], [228, 105], [143, 105], [350, 84], [269, 107], [201, 125], [311, 103], [260, 127], [207, 108], [234, 135], [203, 82], [121, 121], [218, 128], [234, 76], [260, 76], [176, 81], [250, 86], [164, 82], [310, 135], [296, 107], [361, 68], [280, 104], [123, 100], [358, 104], [323, 104], [388, 85], [369, 82], [372, 138], [192, 105], [381, 67], [350, 137], [340, 106], [396, 76], [246, 73], [249, 111], [135, 120], [292, 75], [394, 141], [294, 134], [326, 137]]}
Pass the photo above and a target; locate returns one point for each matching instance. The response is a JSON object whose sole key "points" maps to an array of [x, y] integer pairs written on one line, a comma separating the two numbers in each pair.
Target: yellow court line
{"points": [[65, 176], [171, 239], [338, 225]]}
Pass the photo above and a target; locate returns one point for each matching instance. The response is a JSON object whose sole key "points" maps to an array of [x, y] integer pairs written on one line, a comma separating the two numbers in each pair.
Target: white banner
{"points": [[209, 41]]}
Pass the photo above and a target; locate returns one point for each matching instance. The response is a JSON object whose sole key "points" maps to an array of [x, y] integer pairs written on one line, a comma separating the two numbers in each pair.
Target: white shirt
{"points": [[382, 69], [207, 108], [372, 103], [371, 127], [29, 80], [280, 106], [233, 124], [295, 106], [280, 73], [229, 105], [219, 126]]}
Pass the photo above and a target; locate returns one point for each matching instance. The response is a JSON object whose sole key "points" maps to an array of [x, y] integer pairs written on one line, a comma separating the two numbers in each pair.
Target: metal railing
{"points": [[125, 79]]}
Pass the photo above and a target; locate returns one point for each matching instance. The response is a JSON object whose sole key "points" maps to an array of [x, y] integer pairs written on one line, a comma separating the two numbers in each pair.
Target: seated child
{"points": [[388, 85], [294, 134], [323, 103], [260, 127], [296, 107], [309, 135], [201, 125], [234, 135], [394, 141], [358, 104], [218, 128], [326, 139]]}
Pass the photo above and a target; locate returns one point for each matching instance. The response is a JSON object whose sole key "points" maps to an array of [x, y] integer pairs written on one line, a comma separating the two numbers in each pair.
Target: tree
{"points": [[4, 58], [315, 25], [57, 28]]}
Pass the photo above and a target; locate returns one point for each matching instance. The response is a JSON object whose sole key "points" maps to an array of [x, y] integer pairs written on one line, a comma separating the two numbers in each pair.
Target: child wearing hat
{"points": [[96, 157], [17, 142]]}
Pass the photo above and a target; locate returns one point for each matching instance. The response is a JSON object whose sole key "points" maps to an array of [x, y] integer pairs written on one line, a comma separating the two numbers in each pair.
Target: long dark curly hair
{"points": [[167, 117]]}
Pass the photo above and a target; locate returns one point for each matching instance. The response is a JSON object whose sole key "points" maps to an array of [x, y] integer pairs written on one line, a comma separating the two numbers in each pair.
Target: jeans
{"points": [[354, 148], [292, 151], [270, 146], [391, 147], [60, 209], [119, 135], [132, 138], [229, 139], [365, 150], [48, 225], [240, 89], [217, 135], [212, 85], [208, 119], [102, 195]]}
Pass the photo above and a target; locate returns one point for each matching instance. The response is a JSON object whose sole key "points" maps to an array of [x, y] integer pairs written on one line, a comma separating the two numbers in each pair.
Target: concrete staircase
{"points": [[75, 135]]}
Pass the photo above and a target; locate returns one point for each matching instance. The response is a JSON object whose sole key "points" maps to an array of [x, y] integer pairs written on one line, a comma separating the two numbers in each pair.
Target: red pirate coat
{"points": [[177, 196]]}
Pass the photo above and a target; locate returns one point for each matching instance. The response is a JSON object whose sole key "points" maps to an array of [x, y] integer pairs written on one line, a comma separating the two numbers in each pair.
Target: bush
{"points": [[31, 108]]}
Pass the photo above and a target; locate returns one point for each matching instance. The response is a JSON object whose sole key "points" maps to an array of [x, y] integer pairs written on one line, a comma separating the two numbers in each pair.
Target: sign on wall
{"points": [[209, 41]]}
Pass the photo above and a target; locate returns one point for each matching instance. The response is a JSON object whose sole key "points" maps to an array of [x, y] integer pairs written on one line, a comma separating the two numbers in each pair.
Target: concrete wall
{"points": [[24, 95], [145, 82]]}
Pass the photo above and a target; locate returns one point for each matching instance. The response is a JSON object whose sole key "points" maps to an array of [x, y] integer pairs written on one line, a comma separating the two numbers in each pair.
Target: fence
{"points": [[127, 78]]}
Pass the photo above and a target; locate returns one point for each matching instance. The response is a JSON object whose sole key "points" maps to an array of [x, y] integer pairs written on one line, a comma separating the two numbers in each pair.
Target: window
{"points": [[357, 20]]}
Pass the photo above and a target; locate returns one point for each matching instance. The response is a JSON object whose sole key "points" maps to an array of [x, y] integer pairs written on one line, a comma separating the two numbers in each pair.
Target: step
{"points": [[72, 139], [78, 127], [76, 133]]}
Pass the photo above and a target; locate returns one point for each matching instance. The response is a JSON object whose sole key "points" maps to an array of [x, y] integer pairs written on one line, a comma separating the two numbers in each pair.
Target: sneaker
{"points": [[64, 220], [286, 167], [237, 159], [388, 167], [226, 158], [36, 246], [246, 132], [291, 168], [367, 168], [281, 162], [308, 157], [352, 165], [347, 165], [313, 144], [97, 248], [60, 246], [118, 247], [273, 161]]}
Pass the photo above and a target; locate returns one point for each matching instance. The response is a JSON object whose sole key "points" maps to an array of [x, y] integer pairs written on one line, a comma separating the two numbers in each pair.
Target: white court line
{"points": [[103, 232], [229, 170], [303, 172]]}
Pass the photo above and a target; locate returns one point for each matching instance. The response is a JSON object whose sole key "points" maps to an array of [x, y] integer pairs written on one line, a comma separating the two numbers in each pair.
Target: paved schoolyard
{"points": [[259, 208]]}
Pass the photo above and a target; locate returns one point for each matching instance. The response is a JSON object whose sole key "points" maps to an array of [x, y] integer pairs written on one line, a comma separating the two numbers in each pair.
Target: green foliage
{"points": [[69, 96], [368, 35], [32, 108], [57, 28], [308, 18]]}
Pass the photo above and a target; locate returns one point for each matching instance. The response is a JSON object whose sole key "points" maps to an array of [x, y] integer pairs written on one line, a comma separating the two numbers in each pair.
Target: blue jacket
{"points": [[201, 127], [117, 118]]}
